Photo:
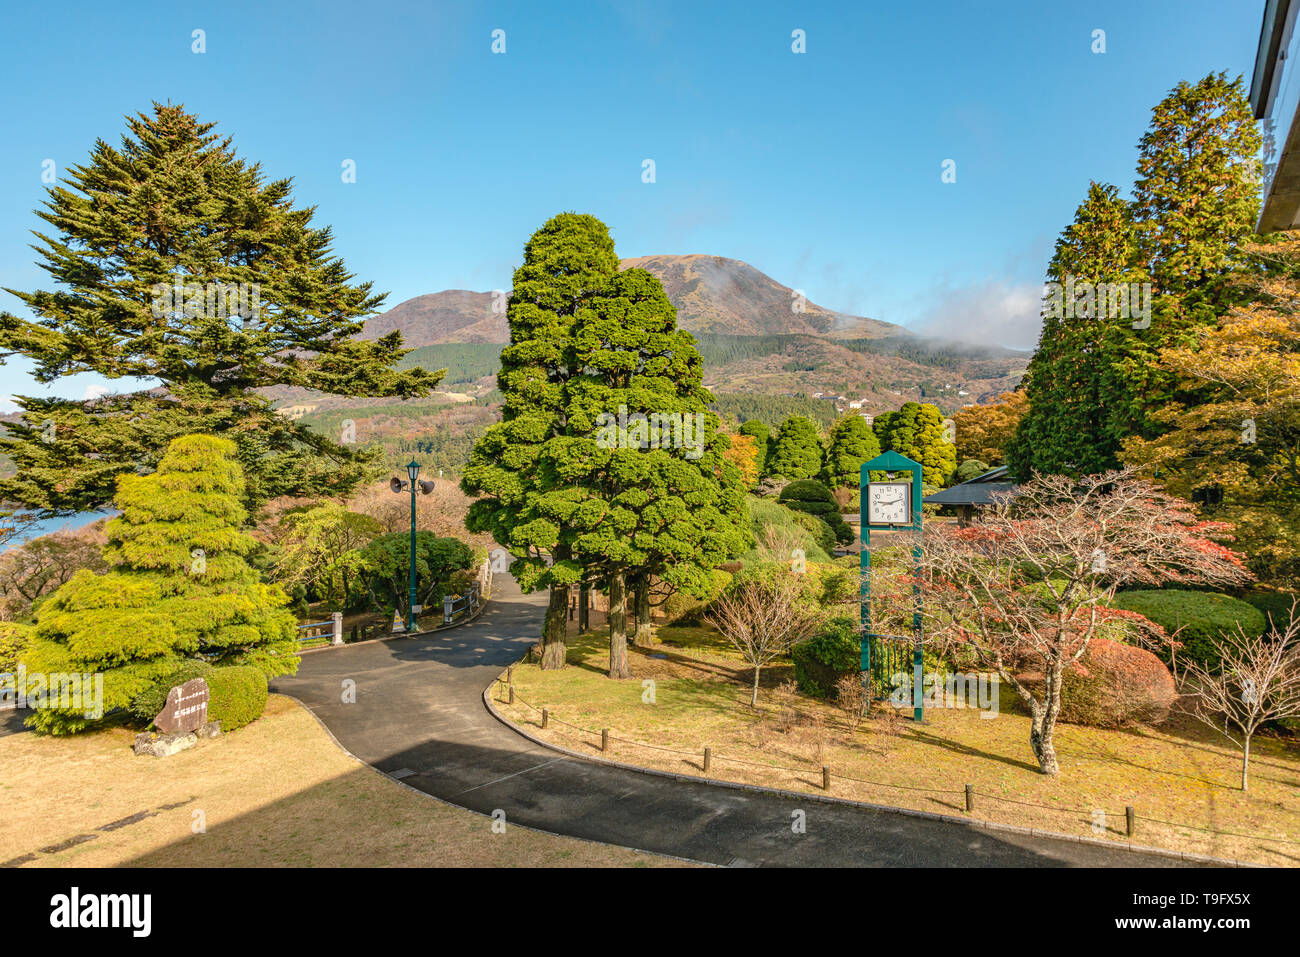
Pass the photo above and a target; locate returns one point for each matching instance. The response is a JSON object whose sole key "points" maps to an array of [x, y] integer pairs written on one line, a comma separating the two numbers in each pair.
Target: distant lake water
{"points": [[60, 523]]}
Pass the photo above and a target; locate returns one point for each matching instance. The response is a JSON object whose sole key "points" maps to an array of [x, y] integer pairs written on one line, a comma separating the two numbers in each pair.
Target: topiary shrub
{"points": [[1115, 685], [1203, 617], [814, 498], [237, 695], [826, 657], [146, 705], [1274, 604]]}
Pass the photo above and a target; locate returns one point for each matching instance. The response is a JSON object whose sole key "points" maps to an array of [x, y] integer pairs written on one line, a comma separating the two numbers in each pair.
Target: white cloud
{"points": [[8, 404], [94, 392], [992, 312]]}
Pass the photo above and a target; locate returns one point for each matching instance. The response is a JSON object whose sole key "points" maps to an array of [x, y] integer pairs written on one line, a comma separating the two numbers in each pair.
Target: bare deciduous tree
{"points": [[1258, 680], [1026, 589], [763, 616]]}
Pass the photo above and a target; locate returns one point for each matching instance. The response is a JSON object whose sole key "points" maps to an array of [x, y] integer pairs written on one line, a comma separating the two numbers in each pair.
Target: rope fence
{"points": [[706, 756]]}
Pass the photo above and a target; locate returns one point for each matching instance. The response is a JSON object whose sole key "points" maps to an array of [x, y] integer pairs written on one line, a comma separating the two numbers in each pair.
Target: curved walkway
{"points": [[419, 715]]}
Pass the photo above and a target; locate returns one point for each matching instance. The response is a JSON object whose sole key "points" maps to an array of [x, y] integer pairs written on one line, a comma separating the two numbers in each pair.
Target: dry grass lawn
{"points": [[278, 792], [1179, 773]]}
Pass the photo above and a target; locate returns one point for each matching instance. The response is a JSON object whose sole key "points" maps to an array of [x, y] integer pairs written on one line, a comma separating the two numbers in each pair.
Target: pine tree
{"points": [[796, 451], [182, 264], [180, 586]]}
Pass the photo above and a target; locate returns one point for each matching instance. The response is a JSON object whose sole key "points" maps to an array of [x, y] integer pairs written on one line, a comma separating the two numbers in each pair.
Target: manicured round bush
{"points": [[1203, 617], [237, 695], [1276, 604], [814, 498], [1115, 685], [832, 653], [146, 705]]}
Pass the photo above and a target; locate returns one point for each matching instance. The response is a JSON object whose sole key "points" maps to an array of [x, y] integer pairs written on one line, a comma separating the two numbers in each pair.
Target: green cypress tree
{"points": [[1095, 380], [917, 431], [182, 264], [1067, 426], [796, 452], [180, 586], [660, 499], [525, 503], [852, 442]]}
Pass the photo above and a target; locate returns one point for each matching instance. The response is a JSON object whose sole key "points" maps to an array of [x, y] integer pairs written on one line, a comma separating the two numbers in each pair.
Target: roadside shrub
{"points": [[814, 498], [1203, 617], [1115, 685], [146, 705], [238, 695], [832, 653]]}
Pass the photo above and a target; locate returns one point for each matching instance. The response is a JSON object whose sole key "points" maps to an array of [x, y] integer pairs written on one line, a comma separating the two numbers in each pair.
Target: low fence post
{"points": [[970, 798], [446, 609], [512, 694], [708, 759], [1130, 820], [604, 739], [546, 717], [338, 627], [826, 778]]}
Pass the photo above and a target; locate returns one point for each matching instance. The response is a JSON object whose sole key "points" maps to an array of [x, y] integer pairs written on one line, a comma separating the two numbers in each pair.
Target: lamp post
{"points": [[397, 485]]}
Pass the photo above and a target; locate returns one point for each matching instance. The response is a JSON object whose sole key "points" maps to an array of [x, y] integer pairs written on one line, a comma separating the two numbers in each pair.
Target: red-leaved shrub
{"points": [[1114, 685]]}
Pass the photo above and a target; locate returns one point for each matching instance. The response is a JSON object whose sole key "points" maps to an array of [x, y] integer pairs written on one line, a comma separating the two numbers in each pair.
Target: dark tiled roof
{"points": [[978, 491]]}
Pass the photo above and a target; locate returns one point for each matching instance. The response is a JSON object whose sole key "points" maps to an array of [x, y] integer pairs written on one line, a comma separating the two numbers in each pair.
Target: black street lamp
{"points": [[397, 485]]}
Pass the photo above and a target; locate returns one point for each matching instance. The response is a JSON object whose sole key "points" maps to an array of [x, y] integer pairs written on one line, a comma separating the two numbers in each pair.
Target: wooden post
{"points": [[512, 694], [970, 798], [604, 739], [546, 717], [826, 778], [1129, 820], [708, 758], [510, 675]]}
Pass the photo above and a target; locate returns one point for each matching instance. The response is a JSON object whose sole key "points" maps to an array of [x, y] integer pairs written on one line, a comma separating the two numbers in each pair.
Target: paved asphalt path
{"points": [[419, 708]]}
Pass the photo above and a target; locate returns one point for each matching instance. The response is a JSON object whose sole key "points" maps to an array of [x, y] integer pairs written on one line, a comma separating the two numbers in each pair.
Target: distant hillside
{"points": [[454, 315], [726, 296], [712, 295]]}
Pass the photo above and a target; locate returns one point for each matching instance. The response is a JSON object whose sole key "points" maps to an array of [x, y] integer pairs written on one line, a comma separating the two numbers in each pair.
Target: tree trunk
{"points": [[584, 605], [753, 698], [1245, 763], [1043, 726], [644, 636], [618, 665], [555, 629]]}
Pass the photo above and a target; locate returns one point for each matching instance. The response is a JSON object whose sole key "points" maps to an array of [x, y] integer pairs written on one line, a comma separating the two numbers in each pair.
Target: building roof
{"points": [[978, 491]]}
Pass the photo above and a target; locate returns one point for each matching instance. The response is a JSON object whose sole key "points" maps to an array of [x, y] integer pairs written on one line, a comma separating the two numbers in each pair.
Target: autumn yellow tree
{"points": [[983, 431], [743, 453], [1234, 446]]}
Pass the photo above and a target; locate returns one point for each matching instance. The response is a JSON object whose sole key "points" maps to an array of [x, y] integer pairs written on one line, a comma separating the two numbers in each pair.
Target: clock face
{"points": [[889, 503]]}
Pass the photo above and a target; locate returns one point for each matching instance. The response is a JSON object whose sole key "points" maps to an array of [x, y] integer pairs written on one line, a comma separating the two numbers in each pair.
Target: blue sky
{"points": [[822, 169]]}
